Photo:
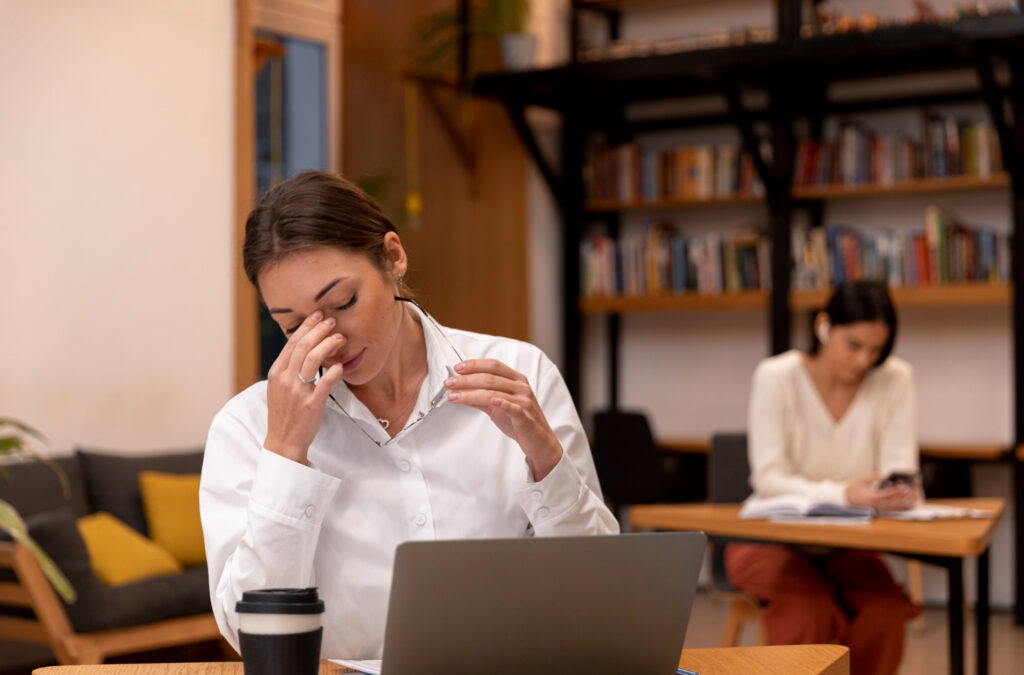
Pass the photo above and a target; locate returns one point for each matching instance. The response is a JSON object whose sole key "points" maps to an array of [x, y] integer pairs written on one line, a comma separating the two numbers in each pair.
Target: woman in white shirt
{"points": [[831, 423], [375, 425]]}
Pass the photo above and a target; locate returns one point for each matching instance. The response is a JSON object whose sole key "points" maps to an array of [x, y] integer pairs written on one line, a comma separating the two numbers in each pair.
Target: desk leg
{"points": [[981, 613], [955, 571]]}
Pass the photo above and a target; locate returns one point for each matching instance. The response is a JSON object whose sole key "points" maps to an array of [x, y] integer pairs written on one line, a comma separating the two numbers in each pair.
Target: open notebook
{"points": [[617, 603], [803, 508]]}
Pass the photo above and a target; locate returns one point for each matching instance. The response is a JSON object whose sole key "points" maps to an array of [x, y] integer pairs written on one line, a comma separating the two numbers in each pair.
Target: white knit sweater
{"points": [[797, 446]]}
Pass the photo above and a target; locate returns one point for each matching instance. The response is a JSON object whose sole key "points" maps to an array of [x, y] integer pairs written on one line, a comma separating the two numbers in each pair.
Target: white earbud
{"points": [[823, 329]]}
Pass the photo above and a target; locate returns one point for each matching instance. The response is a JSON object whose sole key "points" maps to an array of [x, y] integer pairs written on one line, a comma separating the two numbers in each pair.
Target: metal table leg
{"points": [[981, 613], [955, 571]]}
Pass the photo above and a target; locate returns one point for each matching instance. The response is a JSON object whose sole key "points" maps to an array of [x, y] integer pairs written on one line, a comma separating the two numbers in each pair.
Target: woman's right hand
{"points": [[863, 492], [294, 408]]}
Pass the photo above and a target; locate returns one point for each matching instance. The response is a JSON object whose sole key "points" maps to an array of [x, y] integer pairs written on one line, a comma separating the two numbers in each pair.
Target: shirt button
{"points": [[421, 520], [404, 465], [310, 511], [543, 512], [537, 495]]}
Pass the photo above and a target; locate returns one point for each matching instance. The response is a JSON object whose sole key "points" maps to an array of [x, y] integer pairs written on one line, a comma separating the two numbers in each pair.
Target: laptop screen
{"points": [[617, 603]]}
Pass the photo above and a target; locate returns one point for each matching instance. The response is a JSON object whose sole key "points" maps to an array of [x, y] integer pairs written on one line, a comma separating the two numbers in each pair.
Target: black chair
{"points": [[633, 470], [728, 483]]}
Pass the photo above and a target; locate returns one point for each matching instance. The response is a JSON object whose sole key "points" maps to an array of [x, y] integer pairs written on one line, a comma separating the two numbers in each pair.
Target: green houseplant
{"points": [[495, 27], [16, 440]]}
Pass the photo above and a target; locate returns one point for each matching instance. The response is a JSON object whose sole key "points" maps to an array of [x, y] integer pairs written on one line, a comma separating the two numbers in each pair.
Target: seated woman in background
{"points": [[829, 424]]}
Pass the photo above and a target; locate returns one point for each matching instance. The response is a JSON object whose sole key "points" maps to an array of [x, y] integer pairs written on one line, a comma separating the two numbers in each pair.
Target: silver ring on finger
{"points": [[304, 380]]}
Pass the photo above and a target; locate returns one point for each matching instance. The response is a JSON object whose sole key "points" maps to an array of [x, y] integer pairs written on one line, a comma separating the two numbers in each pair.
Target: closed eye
{"points": [[289, 331], [347, 304]]}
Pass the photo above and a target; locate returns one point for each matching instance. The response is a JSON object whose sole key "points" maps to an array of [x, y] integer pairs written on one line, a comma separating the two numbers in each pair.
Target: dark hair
{"points": [[861, 300], [313, 210]]}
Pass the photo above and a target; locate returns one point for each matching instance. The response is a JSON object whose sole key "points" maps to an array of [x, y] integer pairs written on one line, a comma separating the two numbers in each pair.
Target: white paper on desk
{"points": [[821, 520], [370, 666], [927, 511]]}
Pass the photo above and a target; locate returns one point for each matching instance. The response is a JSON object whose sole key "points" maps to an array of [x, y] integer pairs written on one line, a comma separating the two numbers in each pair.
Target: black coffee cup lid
{"points": [[280, 601]]}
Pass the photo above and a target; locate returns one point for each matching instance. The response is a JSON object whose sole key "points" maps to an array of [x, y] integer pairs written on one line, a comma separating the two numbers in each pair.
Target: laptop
{"points": [[597, 604]]}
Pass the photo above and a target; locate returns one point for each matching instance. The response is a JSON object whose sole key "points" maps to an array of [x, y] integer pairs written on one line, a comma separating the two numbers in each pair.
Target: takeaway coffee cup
{"points": [[279, 631]]}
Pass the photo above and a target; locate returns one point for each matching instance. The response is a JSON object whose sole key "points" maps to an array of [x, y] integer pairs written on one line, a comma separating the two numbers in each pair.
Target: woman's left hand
{"points": [[507, 398]]}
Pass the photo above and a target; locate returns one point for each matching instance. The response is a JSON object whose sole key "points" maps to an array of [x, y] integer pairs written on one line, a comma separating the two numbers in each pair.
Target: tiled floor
{"points": [[926, 650]]}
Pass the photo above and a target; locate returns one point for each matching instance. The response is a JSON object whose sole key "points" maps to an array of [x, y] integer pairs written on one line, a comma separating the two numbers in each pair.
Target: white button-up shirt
{"points": [[269, 522]]}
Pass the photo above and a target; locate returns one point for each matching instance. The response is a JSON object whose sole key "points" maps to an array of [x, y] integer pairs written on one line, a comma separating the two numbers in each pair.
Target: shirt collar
{"points": [[441, 359]]}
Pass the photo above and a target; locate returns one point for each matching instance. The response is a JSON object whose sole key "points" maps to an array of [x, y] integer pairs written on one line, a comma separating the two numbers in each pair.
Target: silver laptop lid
{"points": [[598, 604]]}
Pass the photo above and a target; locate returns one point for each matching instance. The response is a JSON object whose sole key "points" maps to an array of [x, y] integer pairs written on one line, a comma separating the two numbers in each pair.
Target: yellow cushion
{"points": [[171, 501], [120, 555]]}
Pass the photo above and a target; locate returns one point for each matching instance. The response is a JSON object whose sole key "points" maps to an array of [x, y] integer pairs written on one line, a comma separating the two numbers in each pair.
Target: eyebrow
{"points": [[322, 293]]}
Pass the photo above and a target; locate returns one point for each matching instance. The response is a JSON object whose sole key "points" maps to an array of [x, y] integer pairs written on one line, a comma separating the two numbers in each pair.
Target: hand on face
{"points": [[900, 497], [295, 409], [506, 396]]}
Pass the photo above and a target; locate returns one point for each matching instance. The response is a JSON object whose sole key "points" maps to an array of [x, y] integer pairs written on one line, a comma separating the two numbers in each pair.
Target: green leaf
{"points": [[8, 444], [12, 523], [22, 427]]}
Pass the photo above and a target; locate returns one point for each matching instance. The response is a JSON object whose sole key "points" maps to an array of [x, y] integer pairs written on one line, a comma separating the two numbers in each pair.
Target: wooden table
{"points": [[940, 542], [790, 660]]}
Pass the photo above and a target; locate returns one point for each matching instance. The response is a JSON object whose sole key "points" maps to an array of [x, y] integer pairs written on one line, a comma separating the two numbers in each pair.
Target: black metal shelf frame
{"points": [[793, 74]]}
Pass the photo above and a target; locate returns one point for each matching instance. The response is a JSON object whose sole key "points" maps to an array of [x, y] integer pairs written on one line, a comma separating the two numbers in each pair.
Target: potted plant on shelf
{"points": [[15, 439], [507, 19], [497, 30]]}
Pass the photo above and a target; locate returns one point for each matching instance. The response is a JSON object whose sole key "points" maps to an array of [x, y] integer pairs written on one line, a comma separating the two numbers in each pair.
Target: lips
{"points": [[354, 361]]}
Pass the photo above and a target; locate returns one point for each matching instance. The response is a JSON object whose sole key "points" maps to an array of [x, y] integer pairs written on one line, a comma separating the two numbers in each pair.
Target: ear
{"points": [[822, 327], [394, 254]]}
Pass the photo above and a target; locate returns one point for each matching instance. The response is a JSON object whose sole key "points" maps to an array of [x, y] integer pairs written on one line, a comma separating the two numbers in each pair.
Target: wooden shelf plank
{"points": [[967, 451], [670, 302], [916, 186], [607, 205], [944, 295]]}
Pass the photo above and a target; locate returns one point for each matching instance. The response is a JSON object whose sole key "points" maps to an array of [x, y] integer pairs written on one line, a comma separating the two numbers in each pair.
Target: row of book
{"points": [[858, 155], [659, 259], [631, 172], [944, 251]]}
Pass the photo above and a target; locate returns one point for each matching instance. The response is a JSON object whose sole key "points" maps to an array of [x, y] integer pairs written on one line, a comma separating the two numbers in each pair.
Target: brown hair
{"points": [[313, 210]]}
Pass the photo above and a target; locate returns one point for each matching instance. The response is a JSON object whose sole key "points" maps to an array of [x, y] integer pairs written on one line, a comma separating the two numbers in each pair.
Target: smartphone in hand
{"points": [[898, 478]]}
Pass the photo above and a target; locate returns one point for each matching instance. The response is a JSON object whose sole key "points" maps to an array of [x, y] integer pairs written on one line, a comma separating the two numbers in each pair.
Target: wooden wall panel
{"points": [[468, 253]]}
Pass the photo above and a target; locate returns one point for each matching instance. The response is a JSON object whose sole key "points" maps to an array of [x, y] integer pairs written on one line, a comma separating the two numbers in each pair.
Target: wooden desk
{"points": [[791, 660], [941, 542]]}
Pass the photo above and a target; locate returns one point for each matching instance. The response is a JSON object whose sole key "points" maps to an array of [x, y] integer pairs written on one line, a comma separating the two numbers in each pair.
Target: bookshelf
{"points": [[776, 92]]}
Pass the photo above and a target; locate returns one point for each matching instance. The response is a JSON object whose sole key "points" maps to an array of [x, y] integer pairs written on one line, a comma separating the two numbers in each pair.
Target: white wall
{"points": [[691, 371], [116, 208]]}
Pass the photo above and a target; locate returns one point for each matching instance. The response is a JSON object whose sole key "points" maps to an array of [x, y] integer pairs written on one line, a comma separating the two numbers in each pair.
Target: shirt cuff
{"points": [[831, 492], [554, 495], [290, 492]]}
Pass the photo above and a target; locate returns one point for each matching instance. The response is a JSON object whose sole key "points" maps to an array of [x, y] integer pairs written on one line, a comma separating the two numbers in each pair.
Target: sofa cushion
{"points": [[102, 607], [119, 555], [112, 481], [171, 503], [33, 487]]}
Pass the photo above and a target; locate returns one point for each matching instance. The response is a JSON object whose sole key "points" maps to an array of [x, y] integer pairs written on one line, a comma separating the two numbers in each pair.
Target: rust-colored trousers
{"points": [[841, 596]]}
